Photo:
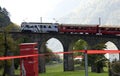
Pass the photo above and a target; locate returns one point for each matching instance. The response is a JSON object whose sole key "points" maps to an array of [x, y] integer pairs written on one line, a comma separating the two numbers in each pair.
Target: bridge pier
{"points": [[68, 62], [41, 59], [68, 58]]}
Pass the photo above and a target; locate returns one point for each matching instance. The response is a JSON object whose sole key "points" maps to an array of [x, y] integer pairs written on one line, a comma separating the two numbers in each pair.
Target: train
{"points": [[68, 28], [39, 27]]}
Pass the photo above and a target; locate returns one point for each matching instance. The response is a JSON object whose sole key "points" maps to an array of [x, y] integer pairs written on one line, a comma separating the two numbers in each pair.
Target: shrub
{"points": [[115, 67]]}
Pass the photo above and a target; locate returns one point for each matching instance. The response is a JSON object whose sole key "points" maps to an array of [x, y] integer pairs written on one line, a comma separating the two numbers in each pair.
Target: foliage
{"points": [[97, 57], [12, 27], [6, 26], [100, 46], [11, 44], [79, 45], [97, 61], [4, 17], [115, 67], [50, 56]]}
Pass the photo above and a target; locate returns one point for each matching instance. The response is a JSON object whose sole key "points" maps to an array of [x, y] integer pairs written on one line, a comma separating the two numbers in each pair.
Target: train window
{"points": [[71, 27], [35, 26], [31, 26], [112, 29], [49, 26], [79, 27], [76, 27], [118, 29], [40, 26], [67, 27], [27, 25], [44, 26], [102, 28], [55, 26], [83, 28]]}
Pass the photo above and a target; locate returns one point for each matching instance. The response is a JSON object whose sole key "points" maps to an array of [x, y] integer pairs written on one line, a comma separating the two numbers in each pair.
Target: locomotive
{"points": [[68, 28], [39, 27]]}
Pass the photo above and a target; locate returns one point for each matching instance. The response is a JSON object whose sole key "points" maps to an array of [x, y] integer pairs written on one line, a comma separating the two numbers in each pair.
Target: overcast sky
{"points": [[32, 10]]}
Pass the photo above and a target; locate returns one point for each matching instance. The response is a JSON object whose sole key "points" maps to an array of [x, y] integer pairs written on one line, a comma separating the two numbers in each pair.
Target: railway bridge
{"points": [[67, 41]]}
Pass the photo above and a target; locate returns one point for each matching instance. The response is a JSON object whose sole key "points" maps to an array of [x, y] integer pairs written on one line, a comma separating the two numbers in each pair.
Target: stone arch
{"points": [[78, 61], [54, 44], [111, 46], [42, 48]]}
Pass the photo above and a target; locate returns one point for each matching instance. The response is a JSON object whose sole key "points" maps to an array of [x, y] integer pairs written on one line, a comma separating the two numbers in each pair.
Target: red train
{"points": [[88, 29]]}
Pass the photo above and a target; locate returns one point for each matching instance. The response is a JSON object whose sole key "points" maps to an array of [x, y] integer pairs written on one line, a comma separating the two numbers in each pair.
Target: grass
{"points": [[75, 73], [17, 72], [57, 70]]}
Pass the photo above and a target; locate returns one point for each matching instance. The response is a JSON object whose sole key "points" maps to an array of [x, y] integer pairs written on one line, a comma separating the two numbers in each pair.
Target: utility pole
{"points": [[86, 61], [99, 21], [41, 19]]}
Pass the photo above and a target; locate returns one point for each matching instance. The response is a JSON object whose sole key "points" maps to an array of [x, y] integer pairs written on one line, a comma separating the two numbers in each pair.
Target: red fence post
{"points": [[29, 65]]}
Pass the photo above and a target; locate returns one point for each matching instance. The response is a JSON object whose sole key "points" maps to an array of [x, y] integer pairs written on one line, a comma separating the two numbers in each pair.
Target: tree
{"points": [[79, 45], [48, 55], [4, 17], [7, 43], [115, 68], [97, 61], [9, 49], [17, 41]]}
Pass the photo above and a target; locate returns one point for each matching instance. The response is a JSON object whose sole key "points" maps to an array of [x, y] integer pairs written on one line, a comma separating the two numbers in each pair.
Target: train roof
{"points": [[110, 26], [85, 25], [37, 23]]}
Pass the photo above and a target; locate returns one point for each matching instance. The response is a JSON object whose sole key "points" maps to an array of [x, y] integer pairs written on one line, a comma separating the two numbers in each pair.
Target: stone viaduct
{"points": [[67, 41]]}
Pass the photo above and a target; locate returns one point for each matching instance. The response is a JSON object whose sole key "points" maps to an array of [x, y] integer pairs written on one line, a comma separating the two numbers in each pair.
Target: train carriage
{"points": [[109, 30], [87, 29], [39, 27]]}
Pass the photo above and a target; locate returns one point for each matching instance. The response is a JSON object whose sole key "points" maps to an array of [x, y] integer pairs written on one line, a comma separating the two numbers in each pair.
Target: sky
{"points": [[111, 46], [35, 10], [55, 42], [28, 10]]}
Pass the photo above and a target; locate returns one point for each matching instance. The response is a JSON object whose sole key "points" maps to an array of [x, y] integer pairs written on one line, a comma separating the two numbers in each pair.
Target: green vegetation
{"points": [[96, 61], [76, 73], [8, 45], [4, 17], [57, 70], [115, 68]]}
